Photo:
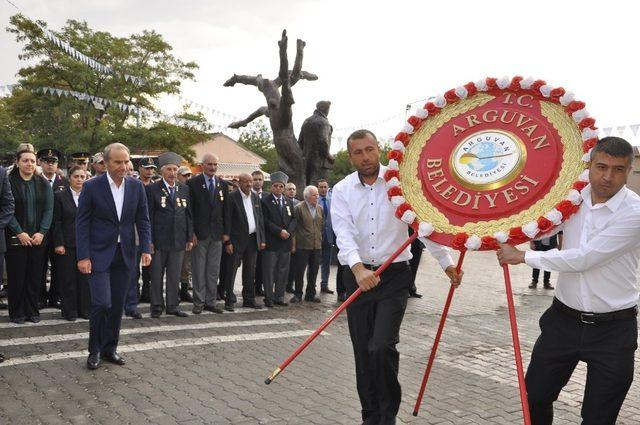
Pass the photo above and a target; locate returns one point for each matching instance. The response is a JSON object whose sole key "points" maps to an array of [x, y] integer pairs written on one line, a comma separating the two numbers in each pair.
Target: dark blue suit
{"points": [[98, 229]]}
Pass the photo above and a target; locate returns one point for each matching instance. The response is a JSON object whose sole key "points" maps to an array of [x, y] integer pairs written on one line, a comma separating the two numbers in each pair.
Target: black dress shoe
{"points": [[134, 314], [196, 310], [326, 290], [415, 295], [533, 285], [295, 300], [312, 299], [19, 320], [213, 309], [178, 313], [1, 357], [268, 303], [281, 303], [156, 314], [70, 318], [251, 304], [548, 286], [229, 307], [93, 362], [34, 319], [113, 358]]}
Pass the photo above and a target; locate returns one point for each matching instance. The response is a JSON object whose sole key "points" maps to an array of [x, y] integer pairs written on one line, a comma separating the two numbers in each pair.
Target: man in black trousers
{"points": [[6, 212], [247, 238], [593, 314]]}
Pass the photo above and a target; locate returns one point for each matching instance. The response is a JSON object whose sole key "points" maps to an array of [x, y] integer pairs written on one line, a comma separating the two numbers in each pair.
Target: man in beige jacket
{"points": [[307, 245]]}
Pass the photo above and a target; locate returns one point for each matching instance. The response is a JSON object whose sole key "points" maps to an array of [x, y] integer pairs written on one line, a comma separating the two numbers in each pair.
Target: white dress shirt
{"points": [[118, 197], [366, 228], [312, 209], [599, 256], [248, 209], [76, 196]]}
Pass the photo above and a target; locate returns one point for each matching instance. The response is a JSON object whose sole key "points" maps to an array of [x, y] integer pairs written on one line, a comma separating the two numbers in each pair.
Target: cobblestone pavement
{"points": [[210, 368]]}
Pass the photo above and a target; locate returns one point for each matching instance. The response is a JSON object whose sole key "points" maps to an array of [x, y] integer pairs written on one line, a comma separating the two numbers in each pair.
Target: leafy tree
{"points": [[342, 166], [69, 124], [258, 139]]}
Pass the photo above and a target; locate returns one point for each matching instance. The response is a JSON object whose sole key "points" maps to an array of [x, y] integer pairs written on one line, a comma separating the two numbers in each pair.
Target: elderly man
{"points": [[108, 209], [247, 238], [211, 224], [290, 191], [280, 224], [171, 233], [307, 244], [593, 315]]}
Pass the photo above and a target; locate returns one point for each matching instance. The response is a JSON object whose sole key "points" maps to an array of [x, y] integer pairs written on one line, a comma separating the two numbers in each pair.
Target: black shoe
{"points": [[84, 316], [229, 307], [155, 314], [134, 314], [289, 290], [34, 319], [178, 313], [313, 299], [1, 357], [70, 318], [260, 293], [326, 290], [533, 284], [251, 304], [268, 303], [113, 358], [196, 310], [19, 320], [295, 300], [342, 297], [415, 295], [93, 362], [213, 309], [281, 303], [548, 286]]}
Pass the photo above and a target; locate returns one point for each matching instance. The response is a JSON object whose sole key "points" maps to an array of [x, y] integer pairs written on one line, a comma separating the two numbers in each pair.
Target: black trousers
{"points": [[24, 276], [414, 263], [340, 289], [258, 279], [309, 260], [54, 285], [74, 286], [374, 325], [247, 257], [608, 350]]}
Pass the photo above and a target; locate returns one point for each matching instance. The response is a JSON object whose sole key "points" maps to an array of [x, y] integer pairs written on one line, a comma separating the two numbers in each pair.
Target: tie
{"points": [[325, 210], [280, 205], [171, 192], [212, 187]]}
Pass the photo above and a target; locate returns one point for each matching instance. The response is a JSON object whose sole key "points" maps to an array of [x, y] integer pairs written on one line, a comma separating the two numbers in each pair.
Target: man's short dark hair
{"points": [[257, 173], [322, 181], [359, 134], [614, 146]]}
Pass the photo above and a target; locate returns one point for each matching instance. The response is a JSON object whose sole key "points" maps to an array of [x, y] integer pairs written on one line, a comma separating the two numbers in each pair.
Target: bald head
{"points": [[245, 182], [209, 164]]}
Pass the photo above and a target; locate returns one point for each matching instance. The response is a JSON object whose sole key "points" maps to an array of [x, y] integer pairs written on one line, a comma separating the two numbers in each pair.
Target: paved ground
{"points": [[210, 368]]}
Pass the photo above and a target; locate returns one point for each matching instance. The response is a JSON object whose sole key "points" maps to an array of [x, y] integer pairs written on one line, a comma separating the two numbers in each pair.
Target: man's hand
{"points": [[263, 246], [284, 234], [365, 278], [84, 266], [37, 238], [225, 238], [59, 250], [194, 240], [24, 239], [509, 255], [454, 276], [145, 260], [229, 249], [189, 246]]}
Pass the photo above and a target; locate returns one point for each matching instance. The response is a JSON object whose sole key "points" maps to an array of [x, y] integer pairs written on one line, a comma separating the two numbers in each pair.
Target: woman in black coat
{"points": [[25, 237], [75, 297]]}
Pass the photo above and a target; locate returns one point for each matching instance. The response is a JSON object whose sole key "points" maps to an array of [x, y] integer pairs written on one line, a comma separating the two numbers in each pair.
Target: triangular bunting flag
{"points": [[607, 131], [634, 128], [621, 129]]}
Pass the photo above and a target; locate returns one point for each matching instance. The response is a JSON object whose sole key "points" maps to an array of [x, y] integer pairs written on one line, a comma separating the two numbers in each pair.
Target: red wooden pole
{"points": [[436, 341], [336, 313], [516, 347]]}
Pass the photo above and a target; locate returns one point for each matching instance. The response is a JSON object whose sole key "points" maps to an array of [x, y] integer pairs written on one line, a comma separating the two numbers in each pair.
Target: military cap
{"points": [[80, 156], [147, 162], [49, 154]]}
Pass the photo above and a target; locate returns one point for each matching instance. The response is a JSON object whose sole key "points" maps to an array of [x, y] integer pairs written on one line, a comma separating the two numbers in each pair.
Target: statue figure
{"points": [[315, 141]]}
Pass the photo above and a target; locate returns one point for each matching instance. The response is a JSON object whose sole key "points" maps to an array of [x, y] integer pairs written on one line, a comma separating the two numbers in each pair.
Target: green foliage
{"points": [[258, 139], [68, 124], [342, 166]]}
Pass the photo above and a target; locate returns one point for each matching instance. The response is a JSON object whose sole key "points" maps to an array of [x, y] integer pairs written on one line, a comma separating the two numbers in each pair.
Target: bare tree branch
{"points": [[243, 79], [257, 113]]}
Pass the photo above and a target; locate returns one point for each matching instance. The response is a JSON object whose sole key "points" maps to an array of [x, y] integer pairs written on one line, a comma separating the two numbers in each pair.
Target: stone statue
{"points": [[315, 141], [279, 98]]}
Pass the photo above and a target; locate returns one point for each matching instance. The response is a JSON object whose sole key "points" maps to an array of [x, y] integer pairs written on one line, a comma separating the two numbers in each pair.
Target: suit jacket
{"points": [[240, 225], [59, 183], [308, 229], [328, 227], [6, 206], [171, 222], [64, 219], [275, 221], [98, 227], [211, 215]]}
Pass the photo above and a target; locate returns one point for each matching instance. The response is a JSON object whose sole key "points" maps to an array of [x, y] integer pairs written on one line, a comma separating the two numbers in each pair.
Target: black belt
{"points": [[593, 318], [392, 266]]}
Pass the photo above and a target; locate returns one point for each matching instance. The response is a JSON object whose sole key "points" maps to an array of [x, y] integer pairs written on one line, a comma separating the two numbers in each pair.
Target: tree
{"points": [[279, 99], [259, 140], [342, 166], [68, 124]]}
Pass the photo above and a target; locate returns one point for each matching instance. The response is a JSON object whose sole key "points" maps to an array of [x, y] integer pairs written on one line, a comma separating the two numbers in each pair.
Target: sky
{"points": [[373, 58]]}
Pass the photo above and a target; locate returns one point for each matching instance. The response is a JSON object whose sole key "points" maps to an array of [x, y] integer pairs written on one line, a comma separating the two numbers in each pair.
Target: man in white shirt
{"points": [[367, 233], [593, 315]]}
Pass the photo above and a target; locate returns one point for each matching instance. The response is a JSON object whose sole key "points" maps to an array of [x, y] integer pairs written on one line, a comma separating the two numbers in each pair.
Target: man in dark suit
{"points": [[6, 212], [258, 183], [171, 233], [110, 209], [279, 224], [246, 240], [211, 225], [327, 235], [48, 160]]}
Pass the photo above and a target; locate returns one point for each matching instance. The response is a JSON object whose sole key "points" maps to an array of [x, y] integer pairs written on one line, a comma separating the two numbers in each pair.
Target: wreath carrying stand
{"points": [[489, 162]]}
